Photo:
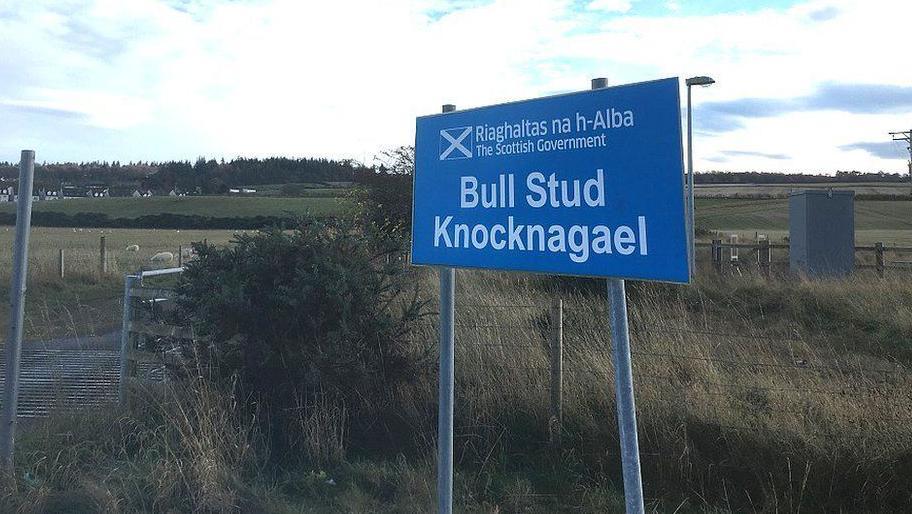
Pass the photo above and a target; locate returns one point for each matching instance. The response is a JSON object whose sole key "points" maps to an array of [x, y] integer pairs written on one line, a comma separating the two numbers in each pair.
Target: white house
{"points": [[45, 195], [7, 194]]}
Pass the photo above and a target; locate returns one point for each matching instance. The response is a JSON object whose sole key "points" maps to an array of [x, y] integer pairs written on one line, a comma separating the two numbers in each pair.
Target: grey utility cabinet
{"points": [[822, 233]]}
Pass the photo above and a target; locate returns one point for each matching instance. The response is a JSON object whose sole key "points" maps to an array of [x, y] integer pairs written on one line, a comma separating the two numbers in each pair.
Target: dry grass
{"points": [[783, 396], [85, 302], [177, 449], [779, 396], [321, 426], [81, 249]]}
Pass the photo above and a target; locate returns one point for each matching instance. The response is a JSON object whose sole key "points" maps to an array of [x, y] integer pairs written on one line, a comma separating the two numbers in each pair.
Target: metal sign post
{"points": [[623, 384], [447, 380], [17, 309], [581, 184], [626, 408]]}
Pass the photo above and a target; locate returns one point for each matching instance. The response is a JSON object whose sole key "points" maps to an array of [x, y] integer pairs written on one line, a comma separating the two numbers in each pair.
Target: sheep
{"points": [[133, 248], [162, 257]]}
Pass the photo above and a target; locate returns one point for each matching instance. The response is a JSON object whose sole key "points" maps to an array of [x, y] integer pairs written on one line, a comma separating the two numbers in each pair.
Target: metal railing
{"points": [[152, 297], [763, 251]]}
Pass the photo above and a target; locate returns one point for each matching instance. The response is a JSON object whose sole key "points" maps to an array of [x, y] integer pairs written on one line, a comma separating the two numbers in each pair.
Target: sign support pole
{"points": [[623, 374], [13, 348], [447, 380], [626, 407]]}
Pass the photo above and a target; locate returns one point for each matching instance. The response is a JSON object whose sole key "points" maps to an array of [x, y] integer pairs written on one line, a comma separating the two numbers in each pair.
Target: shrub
{"points": [[304, 317], [385, 195]]}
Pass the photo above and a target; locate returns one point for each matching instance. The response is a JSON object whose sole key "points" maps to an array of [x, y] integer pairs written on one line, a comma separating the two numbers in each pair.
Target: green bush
{"points": [[384, 195], [318, 313]]}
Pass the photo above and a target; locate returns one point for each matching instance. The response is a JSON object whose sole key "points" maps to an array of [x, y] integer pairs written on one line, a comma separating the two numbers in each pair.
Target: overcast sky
{"points": [[802, 86]]}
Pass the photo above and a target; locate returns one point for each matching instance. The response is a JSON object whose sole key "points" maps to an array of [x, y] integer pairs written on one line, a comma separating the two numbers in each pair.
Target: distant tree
{"points": [[757, 177], [400, 161]]}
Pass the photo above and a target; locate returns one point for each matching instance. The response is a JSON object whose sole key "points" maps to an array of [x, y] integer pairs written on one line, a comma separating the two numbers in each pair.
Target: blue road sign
{"points": [[588, 183]]}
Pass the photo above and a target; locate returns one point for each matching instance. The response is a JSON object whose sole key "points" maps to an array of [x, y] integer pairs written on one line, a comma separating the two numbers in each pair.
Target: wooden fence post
{"points": [[764, 257], [180, 256], [717, 255], [556, 419], [879, 258], [61, 265], [102, 257]]}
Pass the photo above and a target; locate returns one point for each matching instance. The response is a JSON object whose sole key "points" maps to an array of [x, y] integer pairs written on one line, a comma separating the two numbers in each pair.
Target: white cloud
{"points": [[620, 6], [347, 78]]}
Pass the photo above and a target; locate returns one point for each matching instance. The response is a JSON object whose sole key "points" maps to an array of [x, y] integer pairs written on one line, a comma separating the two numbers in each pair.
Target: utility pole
{"points": [[906, 137]]}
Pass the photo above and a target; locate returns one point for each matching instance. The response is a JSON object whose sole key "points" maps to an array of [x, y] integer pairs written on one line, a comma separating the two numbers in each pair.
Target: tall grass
{"points": [[177, 449], [751, 396]]}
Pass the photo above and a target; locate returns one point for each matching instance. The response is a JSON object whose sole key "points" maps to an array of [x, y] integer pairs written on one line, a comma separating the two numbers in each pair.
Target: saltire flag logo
{"points": [[456, 143]]}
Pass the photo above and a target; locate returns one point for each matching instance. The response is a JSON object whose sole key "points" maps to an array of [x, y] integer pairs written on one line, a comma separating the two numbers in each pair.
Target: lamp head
{"points": [[700, 81]]}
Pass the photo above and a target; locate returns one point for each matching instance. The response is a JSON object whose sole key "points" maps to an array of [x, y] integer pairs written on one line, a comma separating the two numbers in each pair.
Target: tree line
{"points": [[762, 177], [205, 176]]}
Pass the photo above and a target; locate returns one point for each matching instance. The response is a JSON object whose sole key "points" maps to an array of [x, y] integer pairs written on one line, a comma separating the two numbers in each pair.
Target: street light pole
{"points": [[691, 229]]}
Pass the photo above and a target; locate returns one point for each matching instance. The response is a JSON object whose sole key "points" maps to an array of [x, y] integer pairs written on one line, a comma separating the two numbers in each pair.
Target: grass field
{"points": [[81, 247], [85, 302], [52, 300], [211, 206], [298, 189], [887, 221]]}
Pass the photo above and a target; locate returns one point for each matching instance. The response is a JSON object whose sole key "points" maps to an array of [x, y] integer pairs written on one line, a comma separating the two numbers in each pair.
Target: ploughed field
{"points": [[747, 190], [875, 220]]}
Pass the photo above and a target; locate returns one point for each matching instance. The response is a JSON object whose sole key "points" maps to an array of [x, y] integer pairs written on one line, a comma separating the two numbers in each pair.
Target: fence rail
{"points": [[763, 251], [144, 326]]}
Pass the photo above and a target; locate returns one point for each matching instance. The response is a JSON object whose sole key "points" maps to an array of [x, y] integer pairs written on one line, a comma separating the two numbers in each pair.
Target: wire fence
{"points": [[742, 386]]}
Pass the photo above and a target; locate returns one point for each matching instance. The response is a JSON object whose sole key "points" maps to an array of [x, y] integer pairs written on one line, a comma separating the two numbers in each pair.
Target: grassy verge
{"points": [[186, 450], [68, 309], [751, 396]]}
